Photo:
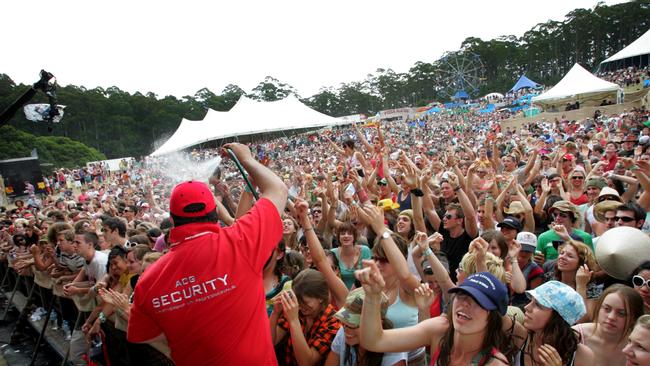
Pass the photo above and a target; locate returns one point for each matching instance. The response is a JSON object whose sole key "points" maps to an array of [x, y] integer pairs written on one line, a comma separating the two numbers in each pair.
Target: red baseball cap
{"points": [[191, 199]]}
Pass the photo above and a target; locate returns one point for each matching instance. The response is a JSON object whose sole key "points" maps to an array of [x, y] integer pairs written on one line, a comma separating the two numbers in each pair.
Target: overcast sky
{"points": [[179, 47]]}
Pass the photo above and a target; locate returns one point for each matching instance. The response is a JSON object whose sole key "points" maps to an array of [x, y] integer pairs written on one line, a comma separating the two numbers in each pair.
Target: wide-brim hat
{"points": [[566, 206], [621, 250], [515, 207], [601, 207]]}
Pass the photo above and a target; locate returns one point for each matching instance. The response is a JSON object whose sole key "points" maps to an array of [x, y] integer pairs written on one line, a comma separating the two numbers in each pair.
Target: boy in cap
{"points": [[210, 282], [566, 218]]}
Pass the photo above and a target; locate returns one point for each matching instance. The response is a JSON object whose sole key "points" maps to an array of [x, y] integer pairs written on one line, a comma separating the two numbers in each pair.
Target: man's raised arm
{"points": [[270, 185]]}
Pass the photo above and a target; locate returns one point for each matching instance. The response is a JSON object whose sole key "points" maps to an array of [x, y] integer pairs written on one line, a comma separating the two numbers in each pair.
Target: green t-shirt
{"points": [[347, 274], [546, 239]]}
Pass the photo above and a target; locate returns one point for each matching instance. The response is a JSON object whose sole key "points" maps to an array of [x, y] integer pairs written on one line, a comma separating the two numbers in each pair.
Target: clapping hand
{"points": [[435, 241], [545, 186], [372, 216], [513, 248], [290, 305], [480, 246], [423, 296], [583, 276], [421, 240]]}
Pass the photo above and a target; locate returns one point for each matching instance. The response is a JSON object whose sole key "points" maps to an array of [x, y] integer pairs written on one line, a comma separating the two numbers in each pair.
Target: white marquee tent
{"points": [[639, 48], [578, 84], [247, 117]]}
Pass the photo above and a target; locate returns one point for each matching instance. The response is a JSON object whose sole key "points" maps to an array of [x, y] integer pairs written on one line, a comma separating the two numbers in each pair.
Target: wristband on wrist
{"points": [[417, 192], [457, 188], [307, 229], [427, 252], [363, 196]]}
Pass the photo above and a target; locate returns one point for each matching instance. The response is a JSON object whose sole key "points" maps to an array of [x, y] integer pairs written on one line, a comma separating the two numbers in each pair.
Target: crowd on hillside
{"points": [[626, 77], [463, 243]]}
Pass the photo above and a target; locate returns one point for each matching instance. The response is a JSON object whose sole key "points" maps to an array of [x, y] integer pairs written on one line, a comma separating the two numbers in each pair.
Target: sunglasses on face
{"points": [[639, 281], [449, 216], [607, 198], [624, 218], [560, 214], [348, 326], [316, 211], [577, 177]]}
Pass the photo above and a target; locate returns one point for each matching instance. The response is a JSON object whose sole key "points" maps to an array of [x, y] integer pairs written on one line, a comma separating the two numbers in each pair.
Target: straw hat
{"points": [[566, 206], [601, 207], [515, 208], [621, 249]]}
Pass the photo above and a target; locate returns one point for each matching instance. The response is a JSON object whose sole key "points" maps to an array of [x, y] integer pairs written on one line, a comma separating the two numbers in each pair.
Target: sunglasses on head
{"points": [[639, 281]]}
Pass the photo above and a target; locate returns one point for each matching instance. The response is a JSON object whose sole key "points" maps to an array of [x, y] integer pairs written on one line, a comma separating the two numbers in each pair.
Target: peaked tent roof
{"points": [[639, 47], [577, 82], [247, 117], [523, 82]]}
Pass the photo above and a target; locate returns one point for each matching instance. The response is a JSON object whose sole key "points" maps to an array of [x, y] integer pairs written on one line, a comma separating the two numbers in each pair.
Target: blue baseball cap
{"points": [[561, 298], [486, 290]]}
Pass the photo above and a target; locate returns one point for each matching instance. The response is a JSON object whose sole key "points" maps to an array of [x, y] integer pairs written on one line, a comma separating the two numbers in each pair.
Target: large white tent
{"points": [[578, 84], [247, 117], [637, 49]]}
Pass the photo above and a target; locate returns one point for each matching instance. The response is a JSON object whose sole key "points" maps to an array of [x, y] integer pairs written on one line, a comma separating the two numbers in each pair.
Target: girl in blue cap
{"points": [[548, 338], [471, 334]]}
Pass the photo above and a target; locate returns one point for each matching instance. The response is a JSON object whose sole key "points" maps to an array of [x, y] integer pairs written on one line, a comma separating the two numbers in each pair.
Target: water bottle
{"points": [[66, 330], [53, 320]]}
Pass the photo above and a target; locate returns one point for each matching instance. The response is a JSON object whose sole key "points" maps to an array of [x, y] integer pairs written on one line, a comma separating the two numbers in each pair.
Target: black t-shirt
{"points": [[454, 249]]}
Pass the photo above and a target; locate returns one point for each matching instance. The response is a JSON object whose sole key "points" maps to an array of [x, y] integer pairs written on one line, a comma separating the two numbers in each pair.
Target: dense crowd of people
{"points": [[626, 77], [451, 241]]}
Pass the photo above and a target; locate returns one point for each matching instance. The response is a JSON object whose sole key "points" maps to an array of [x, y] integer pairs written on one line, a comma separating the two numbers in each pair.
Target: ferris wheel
{"points": [[458, 72]]}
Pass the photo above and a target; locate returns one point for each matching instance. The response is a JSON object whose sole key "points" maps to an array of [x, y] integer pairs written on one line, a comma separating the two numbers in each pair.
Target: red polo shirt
{"points": [[206, 295]]}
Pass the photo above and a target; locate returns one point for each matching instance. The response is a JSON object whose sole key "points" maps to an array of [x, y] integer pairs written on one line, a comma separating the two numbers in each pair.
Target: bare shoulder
{"points": [[585, 328], [584, 356], [435, 326]]}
